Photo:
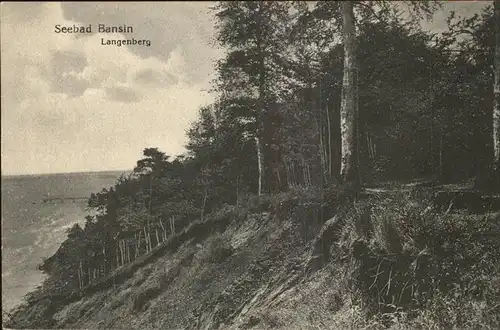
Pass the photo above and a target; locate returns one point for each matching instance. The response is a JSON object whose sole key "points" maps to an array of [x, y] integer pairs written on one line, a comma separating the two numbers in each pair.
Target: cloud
{"points": [[166, 25], [123, 94], [65, 67], [150, 77], [72, 104]]}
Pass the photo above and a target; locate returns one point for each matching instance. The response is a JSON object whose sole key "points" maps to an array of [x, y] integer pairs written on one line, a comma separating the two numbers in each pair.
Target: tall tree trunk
{"points": [[172, 226], [308, 175], [150, 193], [205, 202], [105, 259], [146, 240], [441, 171], [124, 251], [149, 239], [119, 254], [304, 171], [127, 251], [319, 126], [329, 154], [260, 160], [80, 276], [322, 157], [287, 171], [431, 123], [260, 141], [496, 106], [278, 177], [348, 102], [138, 246], [237, 190], [164, 230]]}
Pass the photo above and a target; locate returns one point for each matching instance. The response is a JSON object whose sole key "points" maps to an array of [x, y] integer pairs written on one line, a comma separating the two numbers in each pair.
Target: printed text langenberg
{"points": [[105, 29]]}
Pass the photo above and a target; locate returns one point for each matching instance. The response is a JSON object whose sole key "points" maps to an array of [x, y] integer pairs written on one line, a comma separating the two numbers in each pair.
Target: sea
{"points": [[36, 212]]}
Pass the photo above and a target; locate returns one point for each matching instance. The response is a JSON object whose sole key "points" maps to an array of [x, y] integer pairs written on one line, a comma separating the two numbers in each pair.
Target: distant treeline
{"points": [[53, 200]]}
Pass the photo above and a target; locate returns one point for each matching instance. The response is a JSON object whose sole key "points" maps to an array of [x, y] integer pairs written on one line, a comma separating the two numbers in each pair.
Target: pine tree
{"points": [[254, 32]]}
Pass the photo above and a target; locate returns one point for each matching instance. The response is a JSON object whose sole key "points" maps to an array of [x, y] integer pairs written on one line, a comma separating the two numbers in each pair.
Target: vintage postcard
{"points": [[250, 165]]}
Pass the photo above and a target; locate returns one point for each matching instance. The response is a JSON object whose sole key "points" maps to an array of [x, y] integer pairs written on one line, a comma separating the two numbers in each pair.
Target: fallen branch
{"points": [[449, 208]]}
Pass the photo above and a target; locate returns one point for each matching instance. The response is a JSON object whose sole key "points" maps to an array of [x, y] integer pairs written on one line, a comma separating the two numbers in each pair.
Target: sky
{"points": [[71, 104]]}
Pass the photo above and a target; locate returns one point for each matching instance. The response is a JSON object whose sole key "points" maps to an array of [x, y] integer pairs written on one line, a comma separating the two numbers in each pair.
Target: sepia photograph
{"points": [[250, 165]]}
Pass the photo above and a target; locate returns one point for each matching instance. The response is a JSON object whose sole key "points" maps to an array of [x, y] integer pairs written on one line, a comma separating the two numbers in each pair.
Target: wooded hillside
{"points": [[316, 95]]}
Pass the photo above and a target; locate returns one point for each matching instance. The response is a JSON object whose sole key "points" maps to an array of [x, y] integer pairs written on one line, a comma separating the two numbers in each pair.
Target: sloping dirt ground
{"points": [[260, 272], [222, 282]]}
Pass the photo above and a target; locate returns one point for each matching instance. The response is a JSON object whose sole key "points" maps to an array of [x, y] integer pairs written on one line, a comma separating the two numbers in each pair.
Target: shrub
{"points": [[414, 258], [228, 212], [219, 250], [140, 300]]}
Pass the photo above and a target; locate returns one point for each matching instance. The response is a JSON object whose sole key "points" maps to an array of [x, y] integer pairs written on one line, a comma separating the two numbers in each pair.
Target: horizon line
{"points": [[55, 173]]}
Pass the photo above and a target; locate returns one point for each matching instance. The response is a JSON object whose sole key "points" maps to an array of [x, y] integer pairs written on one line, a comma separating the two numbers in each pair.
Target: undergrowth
{"points": [[411, 265]]}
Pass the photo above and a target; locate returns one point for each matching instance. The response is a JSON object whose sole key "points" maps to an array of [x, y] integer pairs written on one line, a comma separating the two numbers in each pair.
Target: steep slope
{"points": [[202, 285], [380, 262]]}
